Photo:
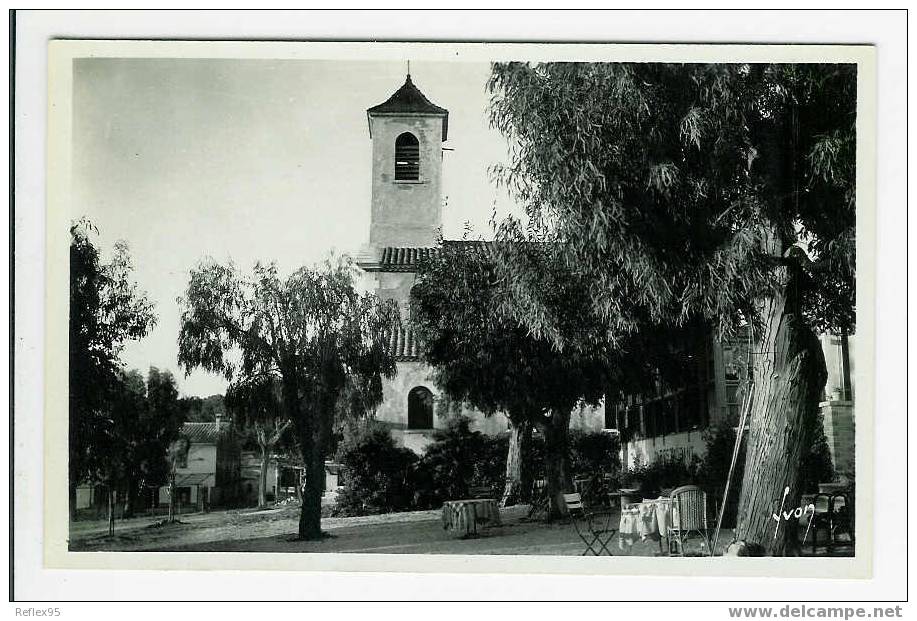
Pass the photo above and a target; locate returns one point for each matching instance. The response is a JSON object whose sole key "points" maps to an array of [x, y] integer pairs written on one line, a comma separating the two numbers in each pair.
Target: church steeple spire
{"points": [[409, 100]]}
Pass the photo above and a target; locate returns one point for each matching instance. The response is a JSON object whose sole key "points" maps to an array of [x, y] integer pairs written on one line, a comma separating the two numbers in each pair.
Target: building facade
{"points": [[672, 424], [407, 133], [208, 475]]}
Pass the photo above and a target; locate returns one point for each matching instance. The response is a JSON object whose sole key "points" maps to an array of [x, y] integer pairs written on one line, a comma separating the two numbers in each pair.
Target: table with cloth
{"points": [[649, 519], [463, 516]]}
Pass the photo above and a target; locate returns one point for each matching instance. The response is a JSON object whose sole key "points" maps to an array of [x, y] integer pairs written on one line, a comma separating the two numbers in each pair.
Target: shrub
{"points": [[720, 440], [378, 473], [816, 465], [664, 473], [447, 469], [594, 453], [490, 463]]}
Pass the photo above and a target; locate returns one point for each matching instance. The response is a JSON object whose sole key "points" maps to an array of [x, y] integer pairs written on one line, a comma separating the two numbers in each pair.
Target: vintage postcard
{"points": [[460, 307]]}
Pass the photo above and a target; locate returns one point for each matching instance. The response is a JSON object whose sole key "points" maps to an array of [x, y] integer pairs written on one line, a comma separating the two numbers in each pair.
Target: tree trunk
{"points": [[306, 423], [557, 461], [789, 377], [310, 517], [845, 366], [518, 486], [262, 476], [171, 497], [111, 510], [72, 499], [130, 499]]}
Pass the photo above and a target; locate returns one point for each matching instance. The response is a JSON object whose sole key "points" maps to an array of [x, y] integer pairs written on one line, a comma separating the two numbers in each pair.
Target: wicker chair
{"points": [[689, 515]]}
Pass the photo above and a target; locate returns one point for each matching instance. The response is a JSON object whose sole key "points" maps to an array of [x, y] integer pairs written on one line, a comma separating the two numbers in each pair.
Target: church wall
{"points": [[393, 411], [396, 286]]}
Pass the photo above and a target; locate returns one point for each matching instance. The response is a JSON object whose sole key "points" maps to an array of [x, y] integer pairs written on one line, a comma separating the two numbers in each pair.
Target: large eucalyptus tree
{"points": [[680, 192]]}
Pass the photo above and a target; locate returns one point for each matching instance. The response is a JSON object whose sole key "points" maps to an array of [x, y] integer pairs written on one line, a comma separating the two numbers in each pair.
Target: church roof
{"points": [[395, 259], [404, 344], [409, 100], [406, 258]]}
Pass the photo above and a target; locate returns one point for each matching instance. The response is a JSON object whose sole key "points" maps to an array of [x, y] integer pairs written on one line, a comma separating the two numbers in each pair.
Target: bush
{"points": [[447, 469], [378, 473], [720, 440], [594, 453], [490, 463], [816, 465], [664, 473]]}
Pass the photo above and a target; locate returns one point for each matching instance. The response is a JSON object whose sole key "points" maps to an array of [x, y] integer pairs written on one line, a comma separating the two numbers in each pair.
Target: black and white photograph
{"points": [[521, 307]]}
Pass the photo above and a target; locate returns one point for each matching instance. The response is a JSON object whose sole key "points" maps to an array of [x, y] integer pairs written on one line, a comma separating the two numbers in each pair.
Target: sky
{"points": [[252, 160]]}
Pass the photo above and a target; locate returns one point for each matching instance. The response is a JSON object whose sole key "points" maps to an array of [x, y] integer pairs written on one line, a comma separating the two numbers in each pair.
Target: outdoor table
{"points": [[463, 515], [649, 519]]}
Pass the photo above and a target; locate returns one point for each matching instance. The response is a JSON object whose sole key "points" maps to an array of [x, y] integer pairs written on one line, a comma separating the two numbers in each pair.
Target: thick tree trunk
{"points": [[310, 517], [518, 486], [262, 476], [789, 377], [557, 461], [306, 424]]}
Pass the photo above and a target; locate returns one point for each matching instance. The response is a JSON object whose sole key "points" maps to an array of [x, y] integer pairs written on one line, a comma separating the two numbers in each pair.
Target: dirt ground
{"points": [[273, 530]]}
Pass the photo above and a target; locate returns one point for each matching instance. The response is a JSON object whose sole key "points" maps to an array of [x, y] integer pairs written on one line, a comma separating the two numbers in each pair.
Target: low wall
{"points": [[682, 445]]}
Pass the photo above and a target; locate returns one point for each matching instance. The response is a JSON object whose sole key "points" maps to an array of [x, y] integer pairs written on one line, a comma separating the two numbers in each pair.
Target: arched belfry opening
{"points": [[420, 408], [407, 157]]}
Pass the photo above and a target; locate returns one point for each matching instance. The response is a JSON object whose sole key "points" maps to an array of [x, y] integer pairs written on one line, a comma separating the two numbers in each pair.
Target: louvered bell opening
{"points": [[407, 158]]}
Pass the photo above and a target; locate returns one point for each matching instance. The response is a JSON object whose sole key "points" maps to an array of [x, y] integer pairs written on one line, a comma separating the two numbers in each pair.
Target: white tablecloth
{"points": [[463, 515], [649, 519]]}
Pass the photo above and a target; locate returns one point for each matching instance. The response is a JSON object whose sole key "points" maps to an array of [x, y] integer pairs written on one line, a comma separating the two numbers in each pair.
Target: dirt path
{"points": [[201, 528]]}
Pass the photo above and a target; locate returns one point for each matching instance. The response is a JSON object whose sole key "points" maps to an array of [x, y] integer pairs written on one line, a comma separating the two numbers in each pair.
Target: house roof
{"points": [[202, 433], [195, 478], [409, 100]]}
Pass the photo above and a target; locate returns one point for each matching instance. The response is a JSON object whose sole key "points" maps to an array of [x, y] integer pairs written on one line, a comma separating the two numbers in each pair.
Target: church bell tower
{"points": [[407, 133]]}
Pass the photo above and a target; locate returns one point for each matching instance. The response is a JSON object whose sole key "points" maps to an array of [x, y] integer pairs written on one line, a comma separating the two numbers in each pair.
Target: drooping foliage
{"points": [[483, 356], [311, 331], [669, 184], [689, 193]]}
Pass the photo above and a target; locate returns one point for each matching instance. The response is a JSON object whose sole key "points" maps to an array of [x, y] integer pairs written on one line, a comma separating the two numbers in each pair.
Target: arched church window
{"points": [[420, 408], [407, 157]]}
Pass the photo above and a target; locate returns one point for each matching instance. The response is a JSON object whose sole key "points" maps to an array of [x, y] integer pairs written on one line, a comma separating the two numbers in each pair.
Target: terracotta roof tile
{"points": [[404, 345], [202, 433], [405, 259]]}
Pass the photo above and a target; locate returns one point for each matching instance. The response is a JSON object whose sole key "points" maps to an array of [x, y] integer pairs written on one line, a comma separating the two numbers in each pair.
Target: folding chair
{"points": [[540, 500], [593, 527]]}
